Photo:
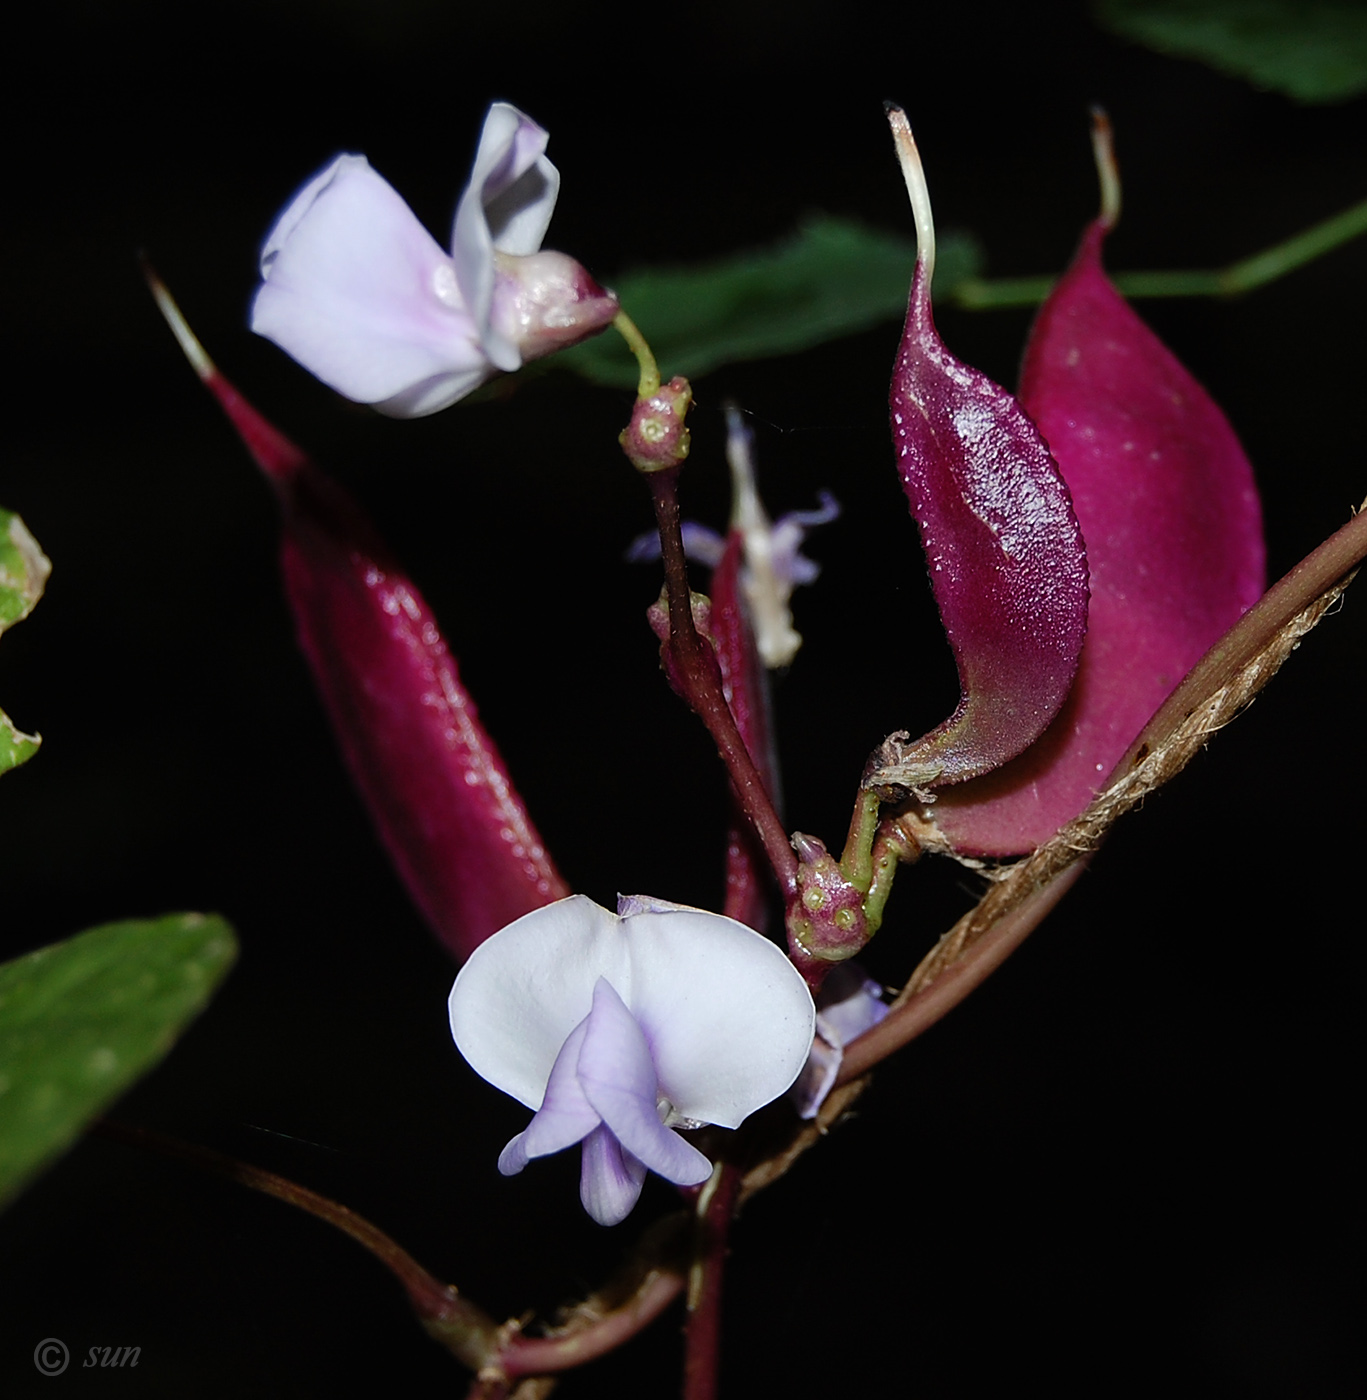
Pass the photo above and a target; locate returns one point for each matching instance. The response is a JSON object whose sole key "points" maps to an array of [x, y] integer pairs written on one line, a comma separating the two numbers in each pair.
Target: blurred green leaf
{"points": [[15, 747], [1312, 50], [23, 572], [82, 1019], [833, 278]]}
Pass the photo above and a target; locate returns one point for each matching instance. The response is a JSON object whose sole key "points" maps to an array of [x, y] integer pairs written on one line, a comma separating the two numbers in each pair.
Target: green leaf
{"points": [[15, 747], [833, 278], [1312, 50], [81, 1020], [23, 572]]}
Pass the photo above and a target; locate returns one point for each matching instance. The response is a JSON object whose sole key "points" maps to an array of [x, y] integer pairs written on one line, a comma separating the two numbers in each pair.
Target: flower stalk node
{"points": [[657, 438], [825, 916]]}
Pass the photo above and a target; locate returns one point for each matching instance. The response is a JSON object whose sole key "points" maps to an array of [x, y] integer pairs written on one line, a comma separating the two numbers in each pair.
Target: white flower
{"points": [[617, 1028], [357, 290]]}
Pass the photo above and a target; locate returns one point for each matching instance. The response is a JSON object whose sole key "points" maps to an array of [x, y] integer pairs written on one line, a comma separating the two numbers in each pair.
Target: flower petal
{"points": [[728, 1018], [515, 1155], [807, 1094], [609, 1179], [565, 1116], [628, 904], [618, 1079], [516, 184], [361, 295], [850, 1004], [527, 987], [507, 208]]}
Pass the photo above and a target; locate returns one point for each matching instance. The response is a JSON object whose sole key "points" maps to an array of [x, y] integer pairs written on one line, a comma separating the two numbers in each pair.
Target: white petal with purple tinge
{"points": [[528, 986], [506, 208], [728, 1017], [608, 1023], [360, 293]]}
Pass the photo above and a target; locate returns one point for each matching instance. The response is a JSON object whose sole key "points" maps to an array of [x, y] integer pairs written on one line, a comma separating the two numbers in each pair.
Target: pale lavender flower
{"points": [[618, 1028], [357, 290]]}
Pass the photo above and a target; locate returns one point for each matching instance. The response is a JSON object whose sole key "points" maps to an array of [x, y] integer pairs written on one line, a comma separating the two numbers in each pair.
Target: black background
{"points": [[1125, 1166]]}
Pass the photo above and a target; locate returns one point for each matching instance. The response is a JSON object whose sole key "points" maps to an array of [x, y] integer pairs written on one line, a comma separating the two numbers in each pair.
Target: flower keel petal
{"points": [[610, 1179], [618, 1080], [565, 1116]]}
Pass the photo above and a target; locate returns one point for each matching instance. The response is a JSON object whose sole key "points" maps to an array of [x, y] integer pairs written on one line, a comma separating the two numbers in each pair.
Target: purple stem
{"points": [[702, 1332], [540, 1356], [466, 1330], [497, 1354], [698, 677]]}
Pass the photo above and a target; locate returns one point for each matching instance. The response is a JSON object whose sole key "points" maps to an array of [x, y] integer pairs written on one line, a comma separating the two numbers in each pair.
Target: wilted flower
{"points": [[618, 1028], [774, 564], [357, 290]]}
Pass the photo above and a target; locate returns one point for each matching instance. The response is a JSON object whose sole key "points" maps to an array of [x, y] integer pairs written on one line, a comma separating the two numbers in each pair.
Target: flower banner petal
{"points": [[526, 988], [728, 1017]]}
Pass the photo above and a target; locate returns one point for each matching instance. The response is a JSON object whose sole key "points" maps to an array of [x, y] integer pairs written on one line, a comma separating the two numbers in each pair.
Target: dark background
{"points": [[1127, 1165]]}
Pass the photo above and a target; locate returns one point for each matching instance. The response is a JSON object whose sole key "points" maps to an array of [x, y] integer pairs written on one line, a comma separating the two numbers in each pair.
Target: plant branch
{"points": [[694, 672], [982, 294], [649, 381], [650, 1280], [462, 1327], [716, 1206]]}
